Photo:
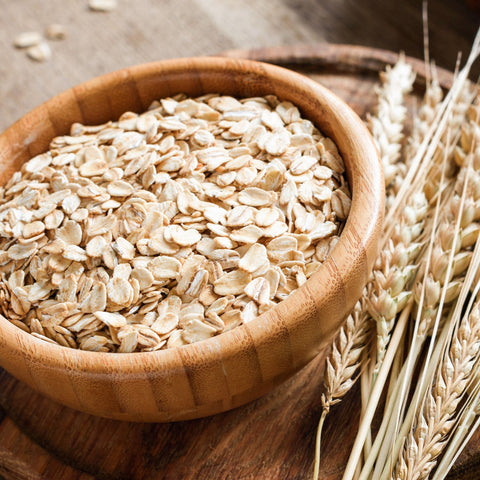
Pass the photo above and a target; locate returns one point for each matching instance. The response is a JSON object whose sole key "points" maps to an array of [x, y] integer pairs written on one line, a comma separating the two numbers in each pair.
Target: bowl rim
{"points": [[225, 344]]}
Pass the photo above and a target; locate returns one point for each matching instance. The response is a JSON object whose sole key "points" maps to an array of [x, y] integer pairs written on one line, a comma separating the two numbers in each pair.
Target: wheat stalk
{"points": [[394, 270], [380, 303], [386, 127], [387, 123], [449, 255], [422, 160], [385, 434], [341, 367], [436, 418], [424, 118], [392, 277], [344, 359], [448, 238], [413, 182], [462, 212], [446, 147], [388, 290], [387, 294], [449, 258], [466, 425], [422, 123]]}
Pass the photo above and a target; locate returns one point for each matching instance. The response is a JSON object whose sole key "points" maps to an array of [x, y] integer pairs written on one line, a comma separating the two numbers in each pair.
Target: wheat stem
{"points": [[408, 418], [386, 127], [429, 367], [389, 425], [466, 426], [437, 305], [425, 118], [434, 422], [318, 442], [420, 164], [364, 427], [340, 368], [382, 449]]}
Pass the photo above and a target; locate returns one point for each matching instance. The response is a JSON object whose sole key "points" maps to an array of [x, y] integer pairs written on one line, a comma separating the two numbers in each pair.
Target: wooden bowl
{"points": [[238, 366]]}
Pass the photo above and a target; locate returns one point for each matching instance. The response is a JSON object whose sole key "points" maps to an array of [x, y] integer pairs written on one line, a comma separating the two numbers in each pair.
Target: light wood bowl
{"points": [[235, 367]]}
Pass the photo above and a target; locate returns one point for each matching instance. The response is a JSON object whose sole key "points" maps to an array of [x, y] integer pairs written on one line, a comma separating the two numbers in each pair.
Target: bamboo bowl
{"points": [[238, 366]]}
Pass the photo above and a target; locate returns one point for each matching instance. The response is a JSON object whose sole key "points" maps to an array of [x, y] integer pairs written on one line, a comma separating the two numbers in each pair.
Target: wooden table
{"points": [[272, 438]]}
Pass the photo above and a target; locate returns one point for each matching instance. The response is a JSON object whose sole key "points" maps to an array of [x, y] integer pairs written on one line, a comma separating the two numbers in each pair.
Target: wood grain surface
{"points": [[274, 436], [271, 438]]}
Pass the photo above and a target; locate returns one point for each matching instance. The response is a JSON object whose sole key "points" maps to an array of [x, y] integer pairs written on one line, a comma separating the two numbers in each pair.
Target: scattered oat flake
{"points": [[39, 52], [102, 5], [27, 39], [170, 226], [56, 31]]}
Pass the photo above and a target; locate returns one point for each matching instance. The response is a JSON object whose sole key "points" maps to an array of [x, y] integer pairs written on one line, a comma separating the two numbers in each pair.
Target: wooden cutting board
{"points": [[271, 438]]}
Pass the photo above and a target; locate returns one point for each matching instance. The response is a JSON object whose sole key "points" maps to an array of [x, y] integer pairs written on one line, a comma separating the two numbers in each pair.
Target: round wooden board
{"points": [[271, 438]]}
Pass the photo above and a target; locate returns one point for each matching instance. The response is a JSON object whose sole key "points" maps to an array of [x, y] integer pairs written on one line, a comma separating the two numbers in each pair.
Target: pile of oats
{"points": [[168, 227]]}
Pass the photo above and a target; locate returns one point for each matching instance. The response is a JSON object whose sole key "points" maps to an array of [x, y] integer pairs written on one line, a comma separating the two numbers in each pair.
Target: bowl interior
{"points": [[286, 337]]}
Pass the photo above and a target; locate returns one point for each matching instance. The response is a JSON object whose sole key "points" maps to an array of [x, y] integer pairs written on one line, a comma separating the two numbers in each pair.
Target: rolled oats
{"points": [[39, 52], [27, 39], [102, 5], [55, 31], [168, 227]]}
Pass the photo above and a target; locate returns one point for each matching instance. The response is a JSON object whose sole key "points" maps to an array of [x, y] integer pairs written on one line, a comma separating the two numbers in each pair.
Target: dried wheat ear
{"points": [[168, 227]]}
